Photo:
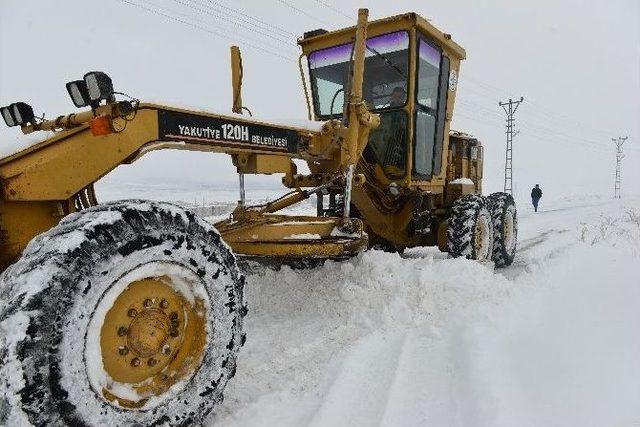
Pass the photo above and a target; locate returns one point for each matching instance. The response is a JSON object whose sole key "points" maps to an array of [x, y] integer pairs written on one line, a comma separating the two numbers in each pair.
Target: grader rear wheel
{"points": [[470, 229], [505, 226], [128, 313]]}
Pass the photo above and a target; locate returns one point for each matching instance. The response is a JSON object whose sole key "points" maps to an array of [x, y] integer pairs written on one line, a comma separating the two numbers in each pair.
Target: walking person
{"points": [[536, 195]]}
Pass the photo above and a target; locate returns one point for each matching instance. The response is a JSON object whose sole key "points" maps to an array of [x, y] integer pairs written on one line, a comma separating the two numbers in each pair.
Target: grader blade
{"points": [[286, 238]]}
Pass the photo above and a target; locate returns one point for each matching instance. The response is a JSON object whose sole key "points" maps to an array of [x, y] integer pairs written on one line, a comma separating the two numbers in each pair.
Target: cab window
{"points": [[386, 71]]}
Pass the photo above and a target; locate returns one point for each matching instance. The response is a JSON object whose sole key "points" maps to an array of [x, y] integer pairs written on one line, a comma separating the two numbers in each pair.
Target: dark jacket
{"points": [[536, 193]]}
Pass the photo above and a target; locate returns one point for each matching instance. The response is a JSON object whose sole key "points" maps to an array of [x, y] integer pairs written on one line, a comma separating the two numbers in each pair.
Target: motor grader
{"points": [[131, 312]]}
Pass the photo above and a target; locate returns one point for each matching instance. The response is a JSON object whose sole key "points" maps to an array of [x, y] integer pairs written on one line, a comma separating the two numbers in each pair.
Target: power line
{"points": [[253, 18], [539, 109], [508, 163], [333, 8], [170, 16], [619, 142], [539, 133], [191, 4], [529, 123], [302, 12]]}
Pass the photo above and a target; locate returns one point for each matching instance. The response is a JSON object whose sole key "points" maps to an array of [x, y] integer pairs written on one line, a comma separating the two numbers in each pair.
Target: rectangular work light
{"points": [[7, 115], [79, 93], [99, 86], [17, 114], [23, 113]]}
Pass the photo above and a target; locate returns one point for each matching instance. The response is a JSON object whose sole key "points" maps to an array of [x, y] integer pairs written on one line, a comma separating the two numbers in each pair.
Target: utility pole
{"points": [[509, 108], [619, 142]]}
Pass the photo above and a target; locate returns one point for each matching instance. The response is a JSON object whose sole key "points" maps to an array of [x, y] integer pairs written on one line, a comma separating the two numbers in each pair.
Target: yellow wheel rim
{"points": [[152, 337], [482, 239]]}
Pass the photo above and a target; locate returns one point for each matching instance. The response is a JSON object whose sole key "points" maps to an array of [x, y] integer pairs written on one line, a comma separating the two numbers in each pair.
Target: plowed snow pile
{"points": [[420, 339]]}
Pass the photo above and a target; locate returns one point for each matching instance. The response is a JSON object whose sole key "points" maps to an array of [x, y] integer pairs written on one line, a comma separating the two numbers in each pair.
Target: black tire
{"points": [[467, 214], [505, 228], [48, 300]]}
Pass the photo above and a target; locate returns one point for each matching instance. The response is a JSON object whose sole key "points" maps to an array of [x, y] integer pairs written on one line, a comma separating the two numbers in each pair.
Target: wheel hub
{"points": [[482, 239], [148, 332], [509, 231], [151, 338]]}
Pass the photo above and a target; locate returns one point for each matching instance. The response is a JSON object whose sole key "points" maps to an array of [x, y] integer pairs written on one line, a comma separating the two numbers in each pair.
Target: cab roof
{"points": [[319, 39]]}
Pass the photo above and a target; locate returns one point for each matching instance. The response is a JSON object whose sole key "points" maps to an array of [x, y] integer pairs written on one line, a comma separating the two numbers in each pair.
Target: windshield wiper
{"points": [[386, 60]]}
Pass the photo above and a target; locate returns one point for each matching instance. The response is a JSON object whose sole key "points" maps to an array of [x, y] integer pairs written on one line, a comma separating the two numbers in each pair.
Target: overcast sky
{"points": [[577, 64]]}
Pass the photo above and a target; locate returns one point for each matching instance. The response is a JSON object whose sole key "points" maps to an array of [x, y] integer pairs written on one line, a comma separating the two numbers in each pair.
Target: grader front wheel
{"points": [[128, 313]]}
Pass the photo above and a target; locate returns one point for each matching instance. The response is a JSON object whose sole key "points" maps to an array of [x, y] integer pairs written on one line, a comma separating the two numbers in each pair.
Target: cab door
{"points": [[431, 102]]}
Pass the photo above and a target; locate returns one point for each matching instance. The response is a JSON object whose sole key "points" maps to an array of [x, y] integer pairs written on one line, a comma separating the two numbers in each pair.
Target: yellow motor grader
{"points": [[131, 312]]}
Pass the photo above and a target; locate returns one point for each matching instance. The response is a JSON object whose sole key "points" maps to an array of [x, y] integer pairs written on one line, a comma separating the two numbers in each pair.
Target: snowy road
{"points": [[425, 340]]}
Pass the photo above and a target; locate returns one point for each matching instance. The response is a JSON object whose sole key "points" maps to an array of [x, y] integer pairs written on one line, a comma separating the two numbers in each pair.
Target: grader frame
{"points": [[55, 177]]}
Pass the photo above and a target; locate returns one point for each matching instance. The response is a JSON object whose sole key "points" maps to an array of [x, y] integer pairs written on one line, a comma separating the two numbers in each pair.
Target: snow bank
{"points": [[420, 339], [303, 322]]}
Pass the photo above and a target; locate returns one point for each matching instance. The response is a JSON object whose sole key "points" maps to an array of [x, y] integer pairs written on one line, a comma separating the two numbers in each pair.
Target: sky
{"points": [[576, 63]]}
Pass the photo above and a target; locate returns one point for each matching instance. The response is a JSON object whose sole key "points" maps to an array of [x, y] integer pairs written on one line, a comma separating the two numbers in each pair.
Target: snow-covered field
{"points": [[420, 339]]}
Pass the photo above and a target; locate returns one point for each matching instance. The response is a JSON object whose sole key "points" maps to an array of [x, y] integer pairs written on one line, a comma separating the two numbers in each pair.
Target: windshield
{"points": [[385, 74]]}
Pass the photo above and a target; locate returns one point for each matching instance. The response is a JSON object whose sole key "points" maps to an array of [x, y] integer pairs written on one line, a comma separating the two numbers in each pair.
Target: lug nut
{"points": [[173, 316], [132, 312], [148, 302], [164, 303], [173, 332], [122, 331], [135, 362], [166, 350], [123, 351], [152, 362]]}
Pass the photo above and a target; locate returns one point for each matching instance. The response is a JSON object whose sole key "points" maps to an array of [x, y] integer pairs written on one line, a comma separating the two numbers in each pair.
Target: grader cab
{"points": [[131, 312]]}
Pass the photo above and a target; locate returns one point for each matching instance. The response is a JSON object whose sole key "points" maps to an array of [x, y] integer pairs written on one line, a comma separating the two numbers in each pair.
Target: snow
{"points": [[14, 326], [464, 181], [420, 339], [303, 236], [336, 232], [287, 223]]}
